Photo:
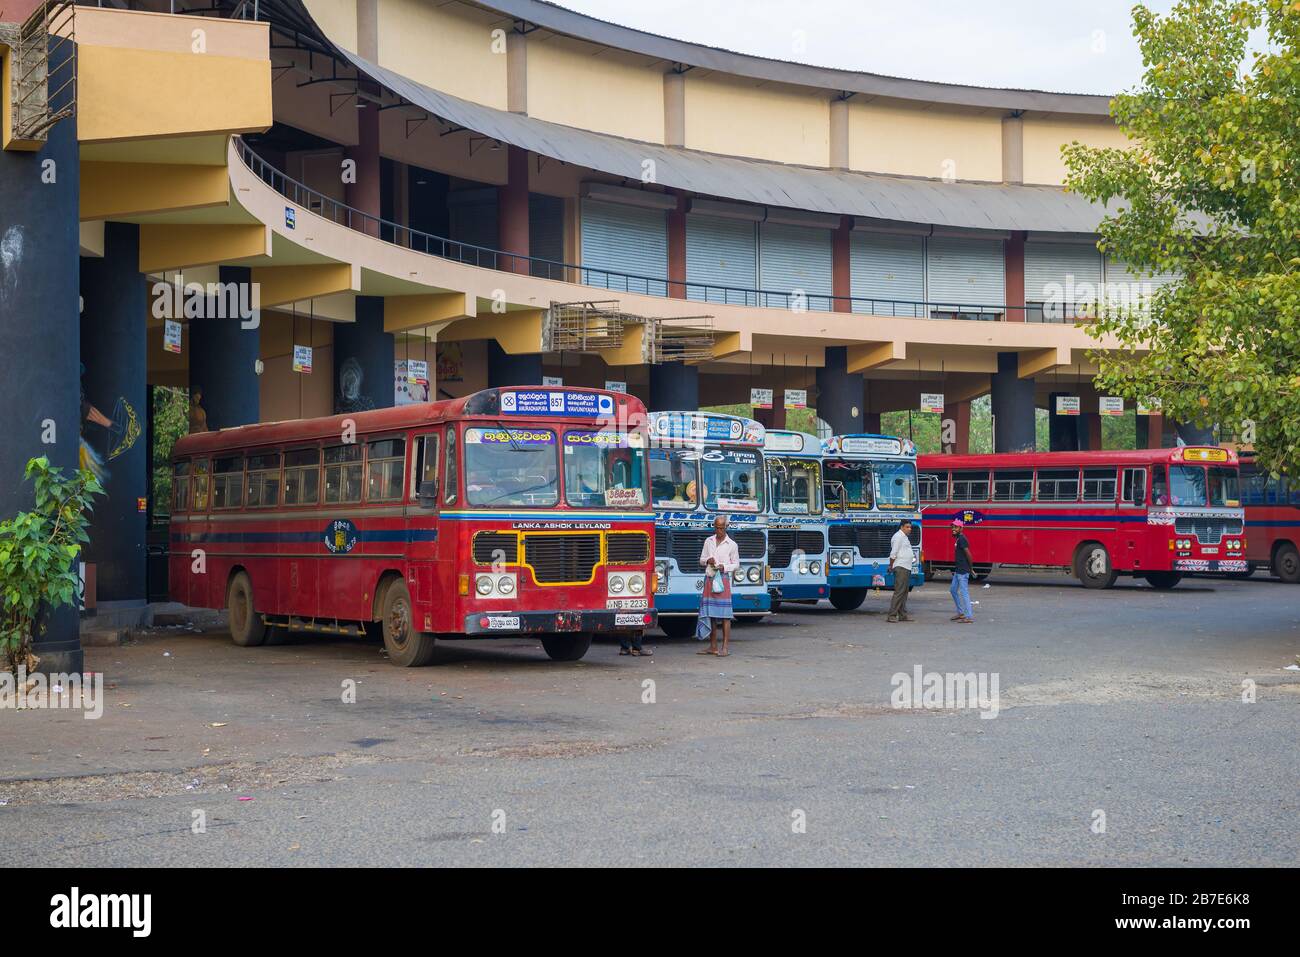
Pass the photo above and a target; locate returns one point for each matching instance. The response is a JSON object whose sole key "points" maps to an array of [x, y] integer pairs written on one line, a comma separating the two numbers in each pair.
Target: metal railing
{"points": [[593, 276]]}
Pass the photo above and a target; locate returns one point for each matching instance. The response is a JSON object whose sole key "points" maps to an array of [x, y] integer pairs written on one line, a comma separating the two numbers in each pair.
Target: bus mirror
{"points": [[427, 492]]}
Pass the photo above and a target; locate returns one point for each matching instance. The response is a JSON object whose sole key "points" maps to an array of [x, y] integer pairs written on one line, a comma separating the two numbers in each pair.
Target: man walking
{"points": [[901, 557], [961, 569]]}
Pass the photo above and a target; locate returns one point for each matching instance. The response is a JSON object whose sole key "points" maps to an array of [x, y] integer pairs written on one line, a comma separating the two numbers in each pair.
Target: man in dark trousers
{"points": [[961, 569], [901, 558]]}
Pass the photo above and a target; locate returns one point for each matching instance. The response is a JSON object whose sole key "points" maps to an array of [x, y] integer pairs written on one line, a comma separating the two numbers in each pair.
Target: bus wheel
{"points": [[848, 599], [567, 647], [247, 628], [406, 647], [1092, 566], [1163, 580], [1286, 564], [678, 626]]}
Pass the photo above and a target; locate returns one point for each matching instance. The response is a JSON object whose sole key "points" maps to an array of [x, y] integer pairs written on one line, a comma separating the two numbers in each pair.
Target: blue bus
{"points": [[869, 484], [796, 524], [704, 464]]}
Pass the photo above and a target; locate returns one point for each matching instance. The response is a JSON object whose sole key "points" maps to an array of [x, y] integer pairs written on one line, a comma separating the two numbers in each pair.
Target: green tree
{"points": [[1209, 192], [171, 420]]}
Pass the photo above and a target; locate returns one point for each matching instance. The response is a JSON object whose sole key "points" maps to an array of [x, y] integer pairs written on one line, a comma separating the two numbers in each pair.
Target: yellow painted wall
{"points": [[446, 47], [338, 18], [611, 93], [784, 124], [1044, 139], [884, 138], [283, 393]]}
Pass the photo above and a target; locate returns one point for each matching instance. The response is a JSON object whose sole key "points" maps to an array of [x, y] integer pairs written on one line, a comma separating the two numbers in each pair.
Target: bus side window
{"points": [[181, 487], [450, 480], [342, 474], [1134, 490], [228, 482], [301, 477], [1159, 485], [199, 498], [426, 463], [386, 465], [934, 486]]}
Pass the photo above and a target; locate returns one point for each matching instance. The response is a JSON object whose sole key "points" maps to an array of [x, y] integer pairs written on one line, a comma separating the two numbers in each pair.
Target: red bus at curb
{"points": [[512, 511]]}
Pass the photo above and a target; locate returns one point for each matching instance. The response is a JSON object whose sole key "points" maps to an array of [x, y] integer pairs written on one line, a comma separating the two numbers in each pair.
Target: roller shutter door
{"points": [[546, 234], [475, 225], [889, 270], [795, 258], [965, 275], [1062, 273], [630, 242], [722, 258]]}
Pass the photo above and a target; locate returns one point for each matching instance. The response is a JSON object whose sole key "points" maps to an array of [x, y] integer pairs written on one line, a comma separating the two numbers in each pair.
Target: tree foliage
{"points": [[38, 554], [1209, 191]]}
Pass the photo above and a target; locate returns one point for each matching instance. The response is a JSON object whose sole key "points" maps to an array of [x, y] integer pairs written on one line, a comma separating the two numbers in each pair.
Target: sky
{"points": [[1057, 45]]}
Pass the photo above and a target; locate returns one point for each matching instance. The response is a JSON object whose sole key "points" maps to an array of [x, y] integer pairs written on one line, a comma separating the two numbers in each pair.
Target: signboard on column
{"points": [[932, 402], [613, 385], [1067, 405], [1149, 406], [552, 380], [302, 359], [172, 336], [760, 398], [796, 398], [1110, 405]]}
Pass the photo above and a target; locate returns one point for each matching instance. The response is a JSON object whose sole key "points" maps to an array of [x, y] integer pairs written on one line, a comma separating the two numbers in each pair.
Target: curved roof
{"points": [[578, 25]]}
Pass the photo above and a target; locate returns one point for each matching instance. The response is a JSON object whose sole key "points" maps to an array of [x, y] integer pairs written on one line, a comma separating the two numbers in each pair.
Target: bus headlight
{"points": [[616, 584], [661, 570], [803, 568], [754, 574], [635, 583], [483, 584], [738, 576], [815, 568], [506, 584]]}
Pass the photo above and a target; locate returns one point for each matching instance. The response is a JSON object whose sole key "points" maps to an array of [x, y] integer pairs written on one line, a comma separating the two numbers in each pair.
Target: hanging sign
{"points": [[417, 372], [612, 385], [932, 402], [796, 398], [172, 336], [1149, 406], [1110, 405], [302, 359], [290, 218], [1067, 405], [550, 380], [760, 398]]}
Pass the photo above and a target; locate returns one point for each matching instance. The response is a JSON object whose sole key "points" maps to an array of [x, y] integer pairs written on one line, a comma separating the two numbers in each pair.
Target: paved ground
{"points": [[1127, 702]]}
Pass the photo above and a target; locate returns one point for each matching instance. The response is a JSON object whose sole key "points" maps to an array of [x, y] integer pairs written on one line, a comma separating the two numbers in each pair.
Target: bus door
{"points": [[299, 575], [428, 556], [1132, 525]]}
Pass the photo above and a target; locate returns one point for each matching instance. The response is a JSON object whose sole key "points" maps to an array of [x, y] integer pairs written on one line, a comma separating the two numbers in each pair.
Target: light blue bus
{"points": [[703, 464], [796, 524], [869, 484]]}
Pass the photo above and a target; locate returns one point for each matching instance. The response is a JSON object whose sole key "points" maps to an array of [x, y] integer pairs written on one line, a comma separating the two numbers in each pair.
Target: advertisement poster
{"points": [[172, 336], [760, 398], [417, 372], [932, 402], [613, 385], [450, 362], [1067, 405], [1110, 405], [796, 398], [406, 389], [302, 359], [1150, 406]]}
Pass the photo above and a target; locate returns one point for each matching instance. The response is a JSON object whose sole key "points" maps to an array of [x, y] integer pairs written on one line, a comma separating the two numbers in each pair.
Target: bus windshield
{"points": [[796, 486], [848, 483], [1223, 486], [673, 474], [895, 484], [1187, 485], [733, 480], [603, 468], [511, 466]]}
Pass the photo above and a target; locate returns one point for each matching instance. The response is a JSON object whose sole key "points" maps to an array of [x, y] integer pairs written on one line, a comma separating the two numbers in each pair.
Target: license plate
{"points": [[624, 619], [503, 622], [627, 603]]}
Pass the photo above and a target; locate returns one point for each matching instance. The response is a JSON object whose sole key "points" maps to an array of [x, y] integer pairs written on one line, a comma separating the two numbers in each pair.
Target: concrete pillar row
{"points": [[1013, 407]]}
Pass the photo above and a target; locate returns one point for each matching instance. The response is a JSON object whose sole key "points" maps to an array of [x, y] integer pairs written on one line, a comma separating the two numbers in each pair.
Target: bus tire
{"points": [[247, 629], [1286, 563], [678, 626], [1093, 567], [848, 599], [1163, 580], [406, 647], [566, 647]]}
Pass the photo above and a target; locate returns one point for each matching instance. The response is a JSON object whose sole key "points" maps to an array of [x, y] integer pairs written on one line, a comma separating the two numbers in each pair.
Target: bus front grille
{"points": [[627, 548], [1208, 529], [685, 545], [751, 544], [872, 541], [559, 559], [782, 543], [492, 547]]}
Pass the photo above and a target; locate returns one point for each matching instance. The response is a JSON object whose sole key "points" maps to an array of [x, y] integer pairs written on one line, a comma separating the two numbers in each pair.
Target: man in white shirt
{"points": [[901, 558], [720, 558]]}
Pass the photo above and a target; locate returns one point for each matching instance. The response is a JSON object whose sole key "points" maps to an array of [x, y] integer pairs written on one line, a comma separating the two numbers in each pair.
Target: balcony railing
{"points": [[796, 300]]}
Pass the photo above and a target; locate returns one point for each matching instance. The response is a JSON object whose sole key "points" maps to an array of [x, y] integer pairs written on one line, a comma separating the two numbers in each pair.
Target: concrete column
{"points": [[1062, 430], [839, 133], [364, 194], [505, 369], [773, 418], [1090, 431], [677, 247], [1150, 431], [512, 211], [959, 414], [517, 71], [223, 358], [39, 338], [674, 108], [115, 402], [1013, 407], [674, 387], [840, 394], [363, 360], [1015, 273], [841, 275], [1013, 149], [871, 422]]}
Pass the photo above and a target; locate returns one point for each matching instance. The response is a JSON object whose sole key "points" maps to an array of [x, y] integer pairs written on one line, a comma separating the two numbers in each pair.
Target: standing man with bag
{"points": [[720, 557], [961, 569], [901, 558]]}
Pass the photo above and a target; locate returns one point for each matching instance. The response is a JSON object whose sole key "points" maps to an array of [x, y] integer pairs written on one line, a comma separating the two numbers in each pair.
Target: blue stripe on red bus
{"points": [[267, 538], [1035, 516]]}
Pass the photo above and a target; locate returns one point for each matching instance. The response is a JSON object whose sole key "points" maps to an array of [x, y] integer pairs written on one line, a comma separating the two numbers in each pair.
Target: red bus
{"points": [[510, 511], [1157, 514], [1272, 519]]}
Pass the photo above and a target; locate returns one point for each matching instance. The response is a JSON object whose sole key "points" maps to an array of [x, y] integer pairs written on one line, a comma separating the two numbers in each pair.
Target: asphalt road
{"points": [[1127, 702]]}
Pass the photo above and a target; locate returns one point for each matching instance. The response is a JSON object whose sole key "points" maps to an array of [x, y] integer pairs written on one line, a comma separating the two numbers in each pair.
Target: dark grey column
{"points": [[114, 428], [363, 360], [223, 353], [840, 394], [1013, 406], [674, 387], [1062, 430], [505, 369]]}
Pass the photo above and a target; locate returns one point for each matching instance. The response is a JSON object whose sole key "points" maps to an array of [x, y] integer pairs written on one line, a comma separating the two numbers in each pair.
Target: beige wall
{"points": [[338, 18], [1045, 137], [784, 124], [889, 138], [283, 393], [615, 93], [446, 47]]}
